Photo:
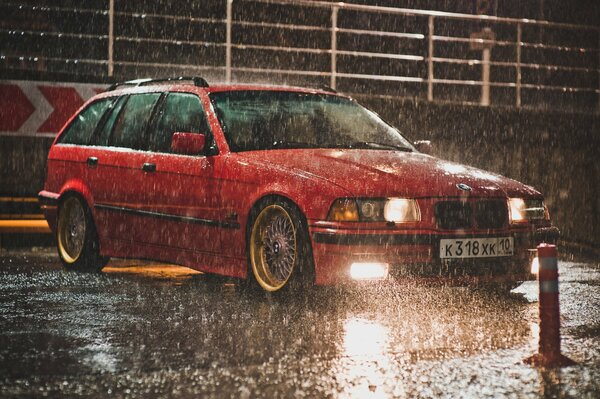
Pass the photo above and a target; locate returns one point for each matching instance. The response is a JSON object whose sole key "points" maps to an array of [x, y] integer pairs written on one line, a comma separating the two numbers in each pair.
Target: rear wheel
{"points": [[76, 236], [278, 247]]}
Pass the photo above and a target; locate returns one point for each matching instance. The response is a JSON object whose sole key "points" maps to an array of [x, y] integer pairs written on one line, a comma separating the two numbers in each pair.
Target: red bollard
{"points": [[549, 347]]}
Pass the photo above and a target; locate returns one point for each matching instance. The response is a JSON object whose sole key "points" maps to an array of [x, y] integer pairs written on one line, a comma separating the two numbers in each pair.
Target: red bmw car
{"points": [[280, 186]]}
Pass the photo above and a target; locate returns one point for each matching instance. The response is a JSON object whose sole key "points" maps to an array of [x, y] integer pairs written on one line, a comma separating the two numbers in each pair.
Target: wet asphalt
{"points": [[141, 329]]}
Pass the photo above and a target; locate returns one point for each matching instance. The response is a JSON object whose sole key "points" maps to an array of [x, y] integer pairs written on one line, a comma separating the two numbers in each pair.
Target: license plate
{"points": [[458, 248]]}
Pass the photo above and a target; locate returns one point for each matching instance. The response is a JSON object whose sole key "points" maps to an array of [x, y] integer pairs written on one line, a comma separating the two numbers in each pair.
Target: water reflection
{"points": [[551, 384], [100, 355], [364, 337], [364, 360], [155, 271]]}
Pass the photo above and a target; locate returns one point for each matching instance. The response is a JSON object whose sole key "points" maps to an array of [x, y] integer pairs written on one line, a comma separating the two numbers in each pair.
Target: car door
{"points": [[121, 165], [72, 154], [182, 193]]}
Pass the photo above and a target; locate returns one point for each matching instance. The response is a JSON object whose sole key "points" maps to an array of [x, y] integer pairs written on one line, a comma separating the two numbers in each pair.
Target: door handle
{"points": [[149, 167], [92, 161]]}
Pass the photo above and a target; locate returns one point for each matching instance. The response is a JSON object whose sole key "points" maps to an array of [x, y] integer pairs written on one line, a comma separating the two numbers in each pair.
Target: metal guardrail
{"points": [[546, 60]]}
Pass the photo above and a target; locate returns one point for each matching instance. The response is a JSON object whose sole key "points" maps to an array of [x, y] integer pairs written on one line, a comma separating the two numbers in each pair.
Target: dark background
{"points": [[551, 142]]}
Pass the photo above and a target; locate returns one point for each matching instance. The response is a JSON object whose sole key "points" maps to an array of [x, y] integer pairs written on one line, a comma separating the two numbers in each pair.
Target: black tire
{"points": [[268, 249], [77, 241]]}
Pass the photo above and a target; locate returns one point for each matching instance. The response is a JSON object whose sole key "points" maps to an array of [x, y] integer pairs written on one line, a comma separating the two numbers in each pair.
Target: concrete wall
{"points": [[558, 153]]}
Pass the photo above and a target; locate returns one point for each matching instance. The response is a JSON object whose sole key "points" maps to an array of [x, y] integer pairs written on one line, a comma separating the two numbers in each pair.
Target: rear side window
{"points": [[130, 127], [102, 136], [181, 112], [82, 127]]}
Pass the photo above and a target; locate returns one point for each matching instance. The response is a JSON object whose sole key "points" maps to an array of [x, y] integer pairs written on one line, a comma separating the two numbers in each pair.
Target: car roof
{"points": [[216, 88], [265, 87]]}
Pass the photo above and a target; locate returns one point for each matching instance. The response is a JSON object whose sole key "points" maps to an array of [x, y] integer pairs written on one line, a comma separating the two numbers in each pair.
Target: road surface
{"points": [[148, 330]]}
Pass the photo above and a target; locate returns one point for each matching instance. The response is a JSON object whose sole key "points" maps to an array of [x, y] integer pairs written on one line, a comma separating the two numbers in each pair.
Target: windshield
{"points": [[264, 120]]}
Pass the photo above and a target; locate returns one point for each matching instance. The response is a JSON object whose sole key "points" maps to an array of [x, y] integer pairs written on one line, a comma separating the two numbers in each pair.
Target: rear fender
{"points": [[77, 186]]}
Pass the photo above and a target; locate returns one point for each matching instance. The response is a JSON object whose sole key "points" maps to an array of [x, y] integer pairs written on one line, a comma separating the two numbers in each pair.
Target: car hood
{"points": [[382, 173]]}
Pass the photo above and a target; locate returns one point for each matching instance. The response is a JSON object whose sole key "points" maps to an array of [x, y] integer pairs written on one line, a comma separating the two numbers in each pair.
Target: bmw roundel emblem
{"points": [[464, 187]]}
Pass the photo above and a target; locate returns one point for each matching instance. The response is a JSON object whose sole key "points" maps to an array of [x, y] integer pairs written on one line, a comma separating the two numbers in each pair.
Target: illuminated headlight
{"points": [[368, 270], [401, 210], [397, 210], [523, 210]]}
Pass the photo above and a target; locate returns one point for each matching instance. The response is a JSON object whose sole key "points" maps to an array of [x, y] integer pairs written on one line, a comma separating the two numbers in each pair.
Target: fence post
{"points": [[486, 56], [518, 74], [334, 26], [430, 59], [228, 41], [111, 37]]}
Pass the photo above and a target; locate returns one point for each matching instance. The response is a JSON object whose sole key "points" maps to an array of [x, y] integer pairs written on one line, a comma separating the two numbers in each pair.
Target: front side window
{"points": [[180, 112], [264, 120], [82, 127], [130, 128]]}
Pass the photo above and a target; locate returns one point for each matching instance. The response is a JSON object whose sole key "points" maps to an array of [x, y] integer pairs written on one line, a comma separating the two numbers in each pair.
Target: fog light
{"points": [[368, 270], [535, 265]]}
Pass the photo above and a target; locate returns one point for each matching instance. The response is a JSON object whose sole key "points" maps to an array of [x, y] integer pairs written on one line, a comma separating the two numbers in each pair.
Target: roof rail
{"points": [[197, 81]]}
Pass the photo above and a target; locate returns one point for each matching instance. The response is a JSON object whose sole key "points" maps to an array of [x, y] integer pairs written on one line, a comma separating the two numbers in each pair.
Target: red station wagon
{"points": [[280, 186]]}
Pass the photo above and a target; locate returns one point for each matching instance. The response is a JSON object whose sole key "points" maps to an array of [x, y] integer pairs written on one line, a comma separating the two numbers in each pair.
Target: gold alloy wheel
{"points": [[273, 247], [71, 230]]}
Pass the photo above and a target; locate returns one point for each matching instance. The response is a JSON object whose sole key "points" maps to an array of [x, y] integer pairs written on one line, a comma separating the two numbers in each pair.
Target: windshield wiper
{"points": [[372, 144]]}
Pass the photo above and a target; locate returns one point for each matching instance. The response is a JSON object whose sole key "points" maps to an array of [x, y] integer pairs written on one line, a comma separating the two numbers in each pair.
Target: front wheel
{"points": [[76, 236], [279, 251]]}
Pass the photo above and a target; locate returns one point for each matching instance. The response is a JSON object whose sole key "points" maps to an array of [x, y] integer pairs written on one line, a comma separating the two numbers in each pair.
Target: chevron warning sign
{"points": [[40, 108]]}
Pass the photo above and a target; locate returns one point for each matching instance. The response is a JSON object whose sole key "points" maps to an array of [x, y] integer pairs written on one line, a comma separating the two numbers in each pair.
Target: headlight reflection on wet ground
{"points": [[364, 359]]}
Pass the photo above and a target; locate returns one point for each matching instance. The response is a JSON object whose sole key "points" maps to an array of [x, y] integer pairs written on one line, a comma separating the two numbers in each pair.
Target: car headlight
{"points": [[344, 210], [523, 210], [397, 210]]}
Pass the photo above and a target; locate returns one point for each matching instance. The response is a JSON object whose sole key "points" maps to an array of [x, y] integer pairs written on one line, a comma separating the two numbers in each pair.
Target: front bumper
{"points": [[415, 255]]}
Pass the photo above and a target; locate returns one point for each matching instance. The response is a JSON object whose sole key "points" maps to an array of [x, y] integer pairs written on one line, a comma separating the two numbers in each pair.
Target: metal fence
{"points": [[358, 49]]}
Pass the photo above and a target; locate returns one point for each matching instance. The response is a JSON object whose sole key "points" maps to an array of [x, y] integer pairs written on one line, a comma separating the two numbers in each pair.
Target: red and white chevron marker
{"points": [[30, 108], [549, 346]]}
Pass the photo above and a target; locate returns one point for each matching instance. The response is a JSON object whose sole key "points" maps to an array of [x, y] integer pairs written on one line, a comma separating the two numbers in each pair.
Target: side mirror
{"points": [[188, 143], [424, 146]]}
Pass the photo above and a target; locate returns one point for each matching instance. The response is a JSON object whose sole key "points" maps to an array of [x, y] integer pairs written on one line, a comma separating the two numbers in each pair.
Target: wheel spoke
{"points": [[71, 230], [276, 246]]}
